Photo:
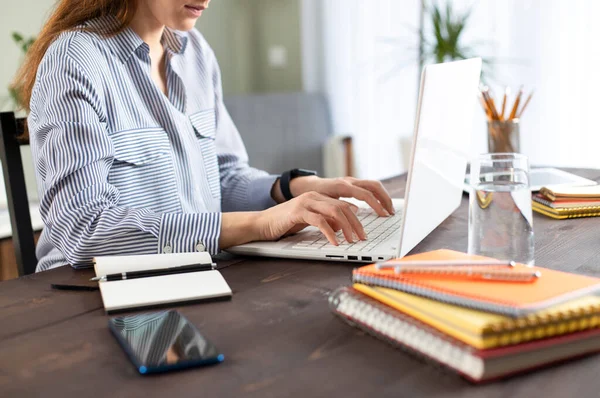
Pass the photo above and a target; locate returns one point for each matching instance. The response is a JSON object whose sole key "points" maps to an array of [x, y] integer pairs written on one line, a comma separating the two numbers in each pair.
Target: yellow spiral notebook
{"points": [[485, 330], [560, 213]]}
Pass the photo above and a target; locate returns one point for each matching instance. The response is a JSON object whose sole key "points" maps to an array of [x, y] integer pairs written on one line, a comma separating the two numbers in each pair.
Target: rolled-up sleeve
{"points": [[74, 154], [243, 188]]}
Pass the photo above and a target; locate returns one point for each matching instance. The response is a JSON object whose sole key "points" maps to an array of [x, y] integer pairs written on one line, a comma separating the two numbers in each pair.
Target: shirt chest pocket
{"points": [[143, 171], [204, 124]]}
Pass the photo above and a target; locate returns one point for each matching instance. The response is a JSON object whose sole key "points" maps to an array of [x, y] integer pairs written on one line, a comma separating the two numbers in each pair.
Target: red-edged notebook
{"points": [[566, 202], [478, 366], [507, 298]]}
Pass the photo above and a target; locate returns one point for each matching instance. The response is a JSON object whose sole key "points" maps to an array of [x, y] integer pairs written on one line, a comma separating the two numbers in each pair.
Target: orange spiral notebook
{"points": [[507, 298]]}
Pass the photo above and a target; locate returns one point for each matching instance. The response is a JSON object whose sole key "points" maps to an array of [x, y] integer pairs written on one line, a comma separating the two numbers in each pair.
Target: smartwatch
{"points": [[284, 181]]}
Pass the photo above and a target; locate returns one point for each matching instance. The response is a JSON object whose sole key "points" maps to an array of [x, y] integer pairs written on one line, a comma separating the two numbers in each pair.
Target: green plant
{"points": [[24, 44], [443, 40]]}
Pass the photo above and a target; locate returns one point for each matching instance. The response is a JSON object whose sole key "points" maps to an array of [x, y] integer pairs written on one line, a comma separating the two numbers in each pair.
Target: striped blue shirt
{"points": [[124, 169]]}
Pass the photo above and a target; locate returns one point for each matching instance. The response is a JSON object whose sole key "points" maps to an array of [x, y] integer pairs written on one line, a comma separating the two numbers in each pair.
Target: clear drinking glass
{"points": [[500, 216]]}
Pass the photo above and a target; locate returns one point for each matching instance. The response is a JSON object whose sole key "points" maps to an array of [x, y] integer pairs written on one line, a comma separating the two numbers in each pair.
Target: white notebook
{"points": [[158, 290]]}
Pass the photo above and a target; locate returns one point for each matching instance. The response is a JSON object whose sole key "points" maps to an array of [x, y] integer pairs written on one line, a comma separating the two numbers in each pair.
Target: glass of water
{"points": [[500, 216]]}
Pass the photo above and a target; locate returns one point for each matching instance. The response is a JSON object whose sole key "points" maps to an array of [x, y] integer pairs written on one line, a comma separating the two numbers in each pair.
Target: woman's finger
{"points": [[334, 225], [368, 196], [320, 222], [379, 191], [349, 211], [353, 207], [329, 209], [350, 214]]}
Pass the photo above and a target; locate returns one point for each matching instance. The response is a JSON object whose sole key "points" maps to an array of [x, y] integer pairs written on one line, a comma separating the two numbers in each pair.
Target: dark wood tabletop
{"points": [[277, 333]]}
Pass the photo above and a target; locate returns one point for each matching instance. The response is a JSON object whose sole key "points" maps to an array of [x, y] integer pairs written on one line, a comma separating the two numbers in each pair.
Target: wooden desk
{"points": [[277, 333]]}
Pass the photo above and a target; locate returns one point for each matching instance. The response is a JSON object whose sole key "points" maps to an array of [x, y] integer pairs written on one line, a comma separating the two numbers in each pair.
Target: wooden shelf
{"points": [[8, 263]]}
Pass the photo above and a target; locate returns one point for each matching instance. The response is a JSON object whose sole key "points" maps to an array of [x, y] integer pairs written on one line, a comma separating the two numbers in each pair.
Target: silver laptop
{"points": [[440, 152]]}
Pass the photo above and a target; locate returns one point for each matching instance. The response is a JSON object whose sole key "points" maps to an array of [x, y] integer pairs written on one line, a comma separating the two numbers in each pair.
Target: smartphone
{"points": [[163, 341]]}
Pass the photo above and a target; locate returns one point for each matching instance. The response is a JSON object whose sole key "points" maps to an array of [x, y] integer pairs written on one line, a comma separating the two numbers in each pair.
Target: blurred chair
{"points": [[288, 130], [11, 132]]}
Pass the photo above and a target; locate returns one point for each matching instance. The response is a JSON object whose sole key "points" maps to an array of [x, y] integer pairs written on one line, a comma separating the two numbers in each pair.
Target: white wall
{"points": [[545, 45], [25, 17], [227, 25], [549, 46], [244, 32], [363, 57]]}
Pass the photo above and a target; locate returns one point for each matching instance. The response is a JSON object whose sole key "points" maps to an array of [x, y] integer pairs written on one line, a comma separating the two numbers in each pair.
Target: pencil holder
{"points": [[503, 136]]}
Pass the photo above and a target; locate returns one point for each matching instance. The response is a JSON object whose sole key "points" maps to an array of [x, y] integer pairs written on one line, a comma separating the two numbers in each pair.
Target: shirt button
{"points": [[167, 249], [200, 247]]}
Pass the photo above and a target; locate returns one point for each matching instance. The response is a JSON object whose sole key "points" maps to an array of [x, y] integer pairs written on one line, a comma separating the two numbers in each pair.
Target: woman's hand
{"points": [[316, 202], [328, 214], [369, 191]]}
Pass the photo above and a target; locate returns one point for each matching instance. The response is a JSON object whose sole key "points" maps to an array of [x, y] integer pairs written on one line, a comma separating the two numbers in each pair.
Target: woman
{"points": [[135, 152]]}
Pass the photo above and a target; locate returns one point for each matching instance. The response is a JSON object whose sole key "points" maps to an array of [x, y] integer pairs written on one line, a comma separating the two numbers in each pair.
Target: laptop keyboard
{"points": [[378, 230]]}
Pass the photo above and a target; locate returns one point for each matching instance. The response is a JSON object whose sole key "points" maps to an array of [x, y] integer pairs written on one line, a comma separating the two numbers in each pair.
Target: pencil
{"points": [[525, 104], [488, 114], [490, 103], [513, 112], [442, 263], [494, 107], [504, 102], [506, 275]]}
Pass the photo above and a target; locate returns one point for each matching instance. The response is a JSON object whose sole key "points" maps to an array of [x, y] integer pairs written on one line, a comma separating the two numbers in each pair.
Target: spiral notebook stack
{"points": [[483, 330], [568, 202]]}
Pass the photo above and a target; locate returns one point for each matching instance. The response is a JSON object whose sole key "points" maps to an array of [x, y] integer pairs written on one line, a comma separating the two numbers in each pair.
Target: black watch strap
{"points": [[284, 183]]}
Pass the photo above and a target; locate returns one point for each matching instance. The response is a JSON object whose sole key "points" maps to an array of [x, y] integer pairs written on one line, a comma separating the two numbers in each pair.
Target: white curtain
{"points": [[362, 55], [549, 46]]}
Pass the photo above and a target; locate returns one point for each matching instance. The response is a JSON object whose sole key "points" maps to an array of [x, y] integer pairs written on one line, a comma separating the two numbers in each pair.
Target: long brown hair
{"points": [[68, 15]]}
